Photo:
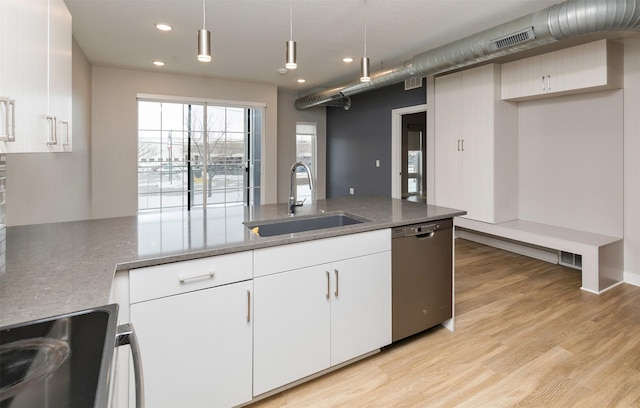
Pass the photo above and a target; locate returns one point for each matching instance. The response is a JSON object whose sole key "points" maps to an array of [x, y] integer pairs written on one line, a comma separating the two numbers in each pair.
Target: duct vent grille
{"points": [[512, 39], [412, 83], [571, 260]]}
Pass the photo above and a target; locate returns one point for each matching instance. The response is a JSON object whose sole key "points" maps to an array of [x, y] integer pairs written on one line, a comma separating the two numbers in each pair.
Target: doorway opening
{"points": [[414, 157]]}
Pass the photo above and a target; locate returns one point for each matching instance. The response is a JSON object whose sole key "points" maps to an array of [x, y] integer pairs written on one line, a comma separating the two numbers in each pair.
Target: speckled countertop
{"points": [[62, 267]]}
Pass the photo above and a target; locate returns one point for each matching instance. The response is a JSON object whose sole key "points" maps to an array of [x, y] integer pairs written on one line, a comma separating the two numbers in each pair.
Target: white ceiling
{"points": [[248, 36]]}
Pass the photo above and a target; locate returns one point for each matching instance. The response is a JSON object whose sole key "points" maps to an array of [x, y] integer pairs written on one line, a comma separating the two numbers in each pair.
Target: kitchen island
{"points": [[229, 292], [63, 267]]}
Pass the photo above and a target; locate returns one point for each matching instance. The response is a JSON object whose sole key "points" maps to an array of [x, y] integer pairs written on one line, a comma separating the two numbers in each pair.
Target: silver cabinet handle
{"points": [[328, 286], [544, 83], [66, 132], [11, 129], [462, 144], [125, 334], [53, 130], [337, 283], [248, 305], [183, 278], [8, 133], [458, 144], [548, 82]]}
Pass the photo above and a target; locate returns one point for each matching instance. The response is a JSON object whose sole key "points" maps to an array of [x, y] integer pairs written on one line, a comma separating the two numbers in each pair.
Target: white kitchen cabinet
{"points": [[360, 306], [583, 68], [310, 319], [35, 75], [476, 145], [292, 327], [60, 60], [195, 328]]}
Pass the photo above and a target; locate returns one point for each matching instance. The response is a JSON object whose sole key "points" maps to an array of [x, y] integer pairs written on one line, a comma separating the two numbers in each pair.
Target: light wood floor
{"points": [[526, 335]]}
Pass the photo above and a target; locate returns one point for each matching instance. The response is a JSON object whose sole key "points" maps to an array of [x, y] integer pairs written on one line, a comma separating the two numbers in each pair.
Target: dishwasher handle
{"points": [[426, 235], [127, 335]]}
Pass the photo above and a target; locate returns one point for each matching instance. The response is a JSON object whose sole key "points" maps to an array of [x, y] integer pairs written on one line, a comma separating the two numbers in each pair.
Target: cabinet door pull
{"points": [[66, 132], [52, 139], [183, 278], [8, 133], [12, 128], [248, 305], [544, 83], [337, 282], [458, 144], [548, 82], [328, 285], [462, 144]]}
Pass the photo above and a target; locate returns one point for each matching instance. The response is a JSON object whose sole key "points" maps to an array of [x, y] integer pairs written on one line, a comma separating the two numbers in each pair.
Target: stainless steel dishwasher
{"points": [[422, 277]]}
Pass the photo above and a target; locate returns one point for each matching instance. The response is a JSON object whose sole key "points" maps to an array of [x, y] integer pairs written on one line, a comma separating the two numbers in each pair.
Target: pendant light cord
{"points": [[291, 20], [365, 28], [204, 14]]}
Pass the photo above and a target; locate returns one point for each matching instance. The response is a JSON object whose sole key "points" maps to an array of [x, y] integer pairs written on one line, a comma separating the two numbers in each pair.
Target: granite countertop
{"points": [[63, 267]]}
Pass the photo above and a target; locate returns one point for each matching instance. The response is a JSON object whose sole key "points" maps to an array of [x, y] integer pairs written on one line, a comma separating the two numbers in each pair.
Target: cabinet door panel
{"points": [[361, 308], [60, 72], [196, 347], [448, 141], [478, 96], [291, 327]]}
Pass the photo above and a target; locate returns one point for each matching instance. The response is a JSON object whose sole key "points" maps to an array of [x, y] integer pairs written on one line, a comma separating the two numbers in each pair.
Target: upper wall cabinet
{"points": [[35, 76], [588, 67]]}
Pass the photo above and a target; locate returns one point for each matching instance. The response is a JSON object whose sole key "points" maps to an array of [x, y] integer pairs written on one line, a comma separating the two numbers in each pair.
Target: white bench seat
{"points": [[602, 255]]}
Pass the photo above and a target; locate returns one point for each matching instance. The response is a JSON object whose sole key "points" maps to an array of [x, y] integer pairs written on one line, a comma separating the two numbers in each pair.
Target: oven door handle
{"points": [[126, 335]]}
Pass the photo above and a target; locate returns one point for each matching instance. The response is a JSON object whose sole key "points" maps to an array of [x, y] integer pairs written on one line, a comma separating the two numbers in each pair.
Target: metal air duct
{"points": [[561, 21]]}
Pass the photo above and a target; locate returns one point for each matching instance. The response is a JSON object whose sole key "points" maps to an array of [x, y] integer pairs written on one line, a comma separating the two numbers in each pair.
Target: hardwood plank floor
{"points": [[526, 336]]}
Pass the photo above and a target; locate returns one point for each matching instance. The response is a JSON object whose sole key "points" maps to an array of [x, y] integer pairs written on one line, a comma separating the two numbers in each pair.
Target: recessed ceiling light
{"points": [[158, 63], [302, 80], [164, 27], [347, 59]]}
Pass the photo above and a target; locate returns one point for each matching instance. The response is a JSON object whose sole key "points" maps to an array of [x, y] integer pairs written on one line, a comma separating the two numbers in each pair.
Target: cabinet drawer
{"points": [[304, 254], [179, 277]]}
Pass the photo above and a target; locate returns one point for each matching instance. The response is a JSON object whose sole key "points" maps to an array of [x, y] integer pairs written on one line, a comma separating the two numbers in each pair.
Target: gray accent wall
{"points": [[357, 137]]}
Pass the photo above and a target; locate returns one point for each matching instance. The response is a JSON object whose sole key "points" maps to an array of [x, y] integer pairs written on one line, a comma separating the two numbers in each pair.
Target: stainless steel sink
{"points": [[291, 225]]}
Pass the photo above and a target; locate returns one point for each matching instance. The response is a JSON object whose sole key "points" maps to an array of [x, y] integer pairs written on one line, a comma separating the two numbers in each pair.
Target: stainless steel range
{"points": [[61, 361]]}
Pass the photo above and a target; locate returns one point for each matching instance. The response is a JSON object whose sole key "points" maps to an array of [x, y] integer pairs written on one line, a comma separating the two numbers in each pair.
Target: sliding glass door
{"points": [[185, 161]]}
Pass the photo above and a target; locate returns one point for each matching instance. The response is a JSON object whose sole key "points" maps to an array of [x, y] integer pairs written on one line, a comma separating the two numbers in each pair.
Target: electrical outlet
{"points": [[352, 191]]}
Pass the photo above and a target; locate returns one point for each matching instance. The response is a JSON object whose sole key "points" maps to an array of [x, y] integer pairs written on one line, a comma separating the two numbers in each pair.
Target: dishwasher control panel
{"points": [[420, 229]]}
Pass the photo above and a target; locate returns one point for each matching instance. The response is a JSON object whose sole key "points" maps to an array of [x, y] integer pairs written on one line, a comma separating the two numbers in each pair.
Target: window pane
{"points": [[305, 153], [178, 166]]}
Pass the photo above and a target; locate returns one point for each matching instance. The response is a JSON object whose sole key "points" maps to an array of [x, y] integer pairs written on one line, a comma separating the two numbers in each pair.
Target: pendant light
{"points": [[291, 45], [364, 62], [204, 38]]}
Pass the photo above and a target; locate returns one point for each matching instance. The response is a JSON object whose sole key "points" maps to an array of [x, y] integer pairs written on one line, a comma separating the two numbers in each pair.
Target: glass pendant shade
{"points": [[364, 70], [204, 45], [291, 55]]}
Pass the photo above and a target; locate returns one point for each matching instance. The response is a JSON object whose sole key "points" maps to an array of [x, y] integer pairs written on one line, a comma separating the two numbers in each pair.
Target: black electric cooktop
{"points": [[61, 361]]}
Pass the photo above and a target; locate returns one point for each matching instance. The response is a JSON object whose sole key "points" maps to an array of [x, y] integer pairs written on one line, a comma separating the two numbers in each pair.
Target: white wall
{"points": [[115, 124], [570, 162], [54, 187], [288, 115], [632, 160], [606, 163]]}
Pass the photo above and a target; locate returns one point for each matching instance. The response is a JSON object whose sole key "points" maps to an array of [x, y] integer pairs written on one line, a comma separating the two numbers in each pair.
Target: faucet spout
{"points": [[293, 194]]}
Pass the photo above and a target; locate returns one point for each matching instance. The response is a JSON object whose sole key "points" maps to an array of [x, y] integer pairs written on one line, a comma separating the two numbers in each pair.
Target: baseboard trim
{"points": [[631, 278], [542, 254]]}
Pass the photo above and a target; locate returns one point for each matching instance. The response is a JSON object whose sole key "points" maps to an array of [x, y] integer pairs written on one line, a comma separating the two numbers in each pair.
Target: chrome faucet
{"points": [[293, 199]]}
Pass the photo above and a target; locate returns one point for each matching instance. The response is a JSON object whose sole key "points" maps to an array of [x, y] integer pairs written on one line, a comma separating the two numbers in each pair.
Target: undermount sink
{"points": [[291, 225]]}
